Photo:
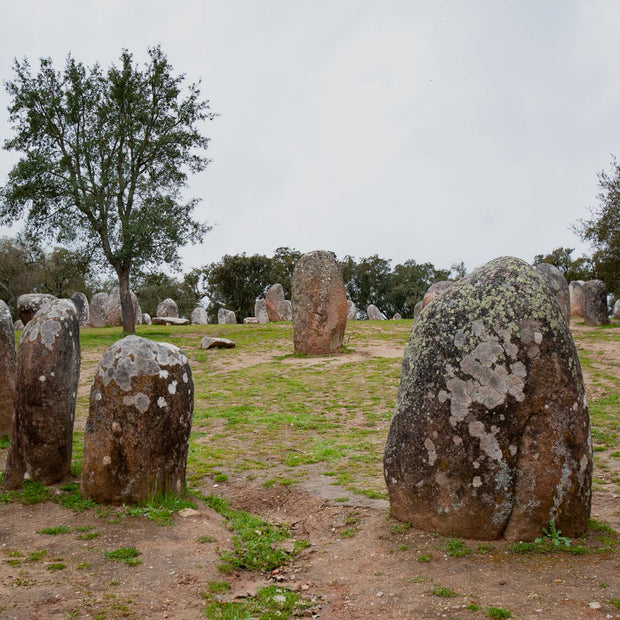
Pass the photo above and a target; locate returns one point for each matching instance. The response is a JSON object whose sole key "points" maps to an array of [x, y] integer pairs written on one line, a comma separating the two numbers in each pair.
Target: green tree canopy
{"points": [[105, 157]]}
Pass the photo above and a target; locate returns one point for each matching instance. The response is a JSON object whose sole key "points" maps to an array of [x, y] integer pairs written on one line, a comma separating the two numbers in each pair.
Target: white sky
{"points": [[439, 131]]}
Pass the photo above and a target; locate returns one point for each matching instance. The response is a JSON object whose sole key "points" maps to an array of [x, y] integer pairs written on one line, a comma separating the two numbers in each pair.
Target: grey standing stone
{"points": [[8, 364], [374, 314], [199, 316], [226, 317], [260, 311], [558, 286], [28, 305], [18, 325], [97, 312], [80, 301], [417, 309], [575, 291], [168, 307], [397, 317], [351, 311], [146, 319], [319, 304], [491, 436], [436, 290], [48, 370], [617, 309], [595, 310], [139, 422], [278, 308], [112, 308]]}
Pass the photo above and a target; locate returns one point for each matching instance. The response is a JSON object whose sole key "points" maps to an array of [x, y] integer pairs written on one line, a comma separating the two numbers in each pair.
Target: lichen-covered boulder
{"points": [[7, 369], [48, 370], [226, 317], [595, 310], [139, 422], [168, 307], [260, 311], [199, 316], [112, 308], [557, 284], [374, 314], [278, 308], [30, 303], [97, 311], [575, 291], [80, 301], [319, 304], [617, 309], [491, 437], [351, 311], [435, 290]]}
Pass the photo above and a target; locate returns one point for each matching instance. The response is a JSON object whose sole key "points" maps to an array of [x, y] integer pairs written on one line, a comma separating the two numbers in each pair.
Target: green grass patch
{"points": [[498, 613], [443, 592], [128, 555], [31, 493], [55, 531]]}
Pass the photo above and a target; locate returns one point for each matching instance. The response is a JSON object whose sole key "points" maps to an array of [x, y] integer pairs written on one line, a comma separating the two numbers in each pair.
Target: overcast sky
{"points": [[439, 131]]}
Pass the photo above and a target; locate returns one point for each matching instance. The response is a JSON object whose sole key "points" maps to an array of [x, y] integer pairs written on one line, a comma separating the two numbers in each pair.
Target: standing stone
{"points": [[319, 304], [278, 309], [7, 369], [18, 325], [97, 312], [169, 320], [491, 436], [374, 314], [28, 305], [595, 310], [199, 316], [48, 371], [139, 422], [112, 308], [168, 307], [617, 309], [226, 317], [397, 317], [260, 311], [557, 284], [435, 290], [351, 311], [417, 309], [146, 319], [575, 291], [80, 301]]}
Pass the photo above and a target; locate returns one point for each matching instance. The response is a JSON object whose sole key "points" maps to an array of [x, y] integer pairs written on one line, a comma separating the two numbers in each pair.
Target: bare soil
{"points": [[356, 567]]}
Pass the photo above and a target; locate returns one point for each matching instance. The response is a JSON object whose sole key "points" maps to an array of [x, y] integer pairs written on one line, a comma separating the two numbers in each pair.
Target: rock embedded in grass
{"points": [[139, 422], [97, 312], [199, 316], [48, 370], [319, 304], [216, 343], [260, 310], [8, 363], [575, 292], [595, 311], [167, 307], [374, 314], [226, 317], [491, 436]]}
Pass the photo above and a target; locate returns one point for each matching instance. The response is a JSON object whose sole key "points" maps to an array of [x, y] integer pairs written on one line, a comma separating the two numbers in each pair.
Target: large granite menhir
{"points": [[319, 303], [48, 370], [558, 286], [7, 369], [138, 427], [30, 303], [490, 437], [278, 308], [595, 311]]}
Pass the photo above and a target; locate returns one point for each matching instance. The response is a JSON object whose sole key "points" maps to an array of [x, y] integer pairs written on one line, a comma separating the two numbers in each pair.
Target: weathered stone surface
{"points": [[138, 427], [146, 319], [97, 313], [319, 304], [417, 309], [575, 291], [18, 325], [595, 310], [199, 316], [617, 309], [250, 320], [8, 363], [435, 290], [112, 308], [216, 343], [48, 370], [558, 286], [278, 308], [374, 314], [397, 317], [28, 305], [167, 307], [260, 311], [351, 311], [226, 317], [491, 436], [80, 301], [169, 320]]}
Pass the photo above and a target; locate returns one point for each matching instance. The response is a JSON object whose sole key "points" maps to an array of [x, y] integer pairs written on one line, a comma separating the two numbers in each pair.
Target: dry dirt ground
{"points": [[357, 566]]}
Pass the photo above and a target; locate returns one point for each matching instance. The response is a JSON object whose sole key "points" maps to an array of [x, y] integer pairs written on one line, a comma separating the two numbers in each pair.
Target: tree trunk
{"points": [[129, 319]]}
